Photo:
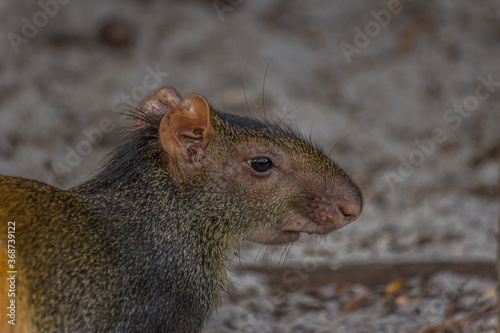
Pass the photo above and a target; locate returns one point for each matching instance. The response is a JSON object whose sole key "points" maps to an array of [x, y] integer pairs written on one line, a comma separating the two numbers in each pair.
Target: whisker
{"points": [[345, 137], [261, 247], [293, 208], [295, 217], [314, 195], [286, 256], [311, 130], [304, 197], [281, 257], [242, 85], [264, 88], [295, 108], [286, 250], [307, 224]]}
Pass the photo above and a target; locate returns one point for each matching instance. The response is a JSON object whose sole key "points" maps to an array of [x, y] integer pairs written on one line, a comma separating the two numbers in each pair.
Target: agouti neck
{"points": [[137, 189], [176, 251]]}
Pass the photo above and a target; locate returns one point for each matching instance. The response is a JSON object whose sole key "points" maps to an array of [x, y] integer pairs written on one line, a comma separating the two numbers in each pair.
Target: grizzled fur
{"points": [[134, 250]]}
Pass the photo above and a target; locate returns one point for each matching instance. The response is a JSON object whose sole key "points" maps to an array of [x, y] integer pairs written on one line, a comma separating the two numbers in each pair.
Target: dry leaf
{"points": [[394, 286], [356, 302]]}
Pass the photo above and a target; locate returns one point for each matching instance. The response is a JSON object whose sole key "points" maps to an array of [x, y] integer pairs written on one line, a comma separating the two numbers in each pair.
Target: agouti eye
{"points": [[261, 164]]}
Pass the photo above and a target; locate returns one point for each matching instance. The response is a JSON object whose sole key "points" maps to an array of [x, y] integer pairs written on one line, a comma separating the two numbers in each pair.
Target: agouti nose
{"points": [[349, 201], [350, 210]]}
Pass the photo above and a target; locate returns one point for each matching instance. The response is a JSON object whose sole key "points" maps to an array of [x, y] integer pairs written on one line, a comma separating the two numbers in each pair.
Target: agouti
{"points": [[144, 246]]}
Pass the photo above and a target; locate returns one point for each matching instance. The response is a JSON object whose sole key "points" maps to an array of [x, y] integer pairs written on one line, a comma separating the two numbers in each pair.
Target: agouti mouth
{"points": [[288, 230], [319, 220]]}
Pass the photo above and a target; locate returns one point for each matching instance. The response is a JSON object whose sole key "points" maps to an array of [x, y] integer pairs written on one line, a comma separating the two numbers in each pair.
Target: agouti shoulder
{"points": [[144, 246]]}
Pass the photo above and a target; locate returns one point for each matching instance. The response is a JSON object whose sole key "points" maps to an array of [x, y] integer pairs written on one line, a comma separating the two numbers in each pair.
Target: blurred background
{"points": [[409, 91]]}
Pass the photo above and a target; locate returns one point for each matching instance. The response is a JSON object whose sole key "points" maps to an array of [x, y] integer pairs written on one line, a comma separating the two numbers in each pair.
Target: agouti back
{"points": [[144, 246]]}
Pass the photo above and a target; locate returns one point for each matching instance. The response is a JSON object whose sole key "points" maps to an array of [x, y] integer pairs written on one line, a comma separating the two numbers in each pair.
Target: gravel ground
{"points": [[445, 302], [404, 89]]}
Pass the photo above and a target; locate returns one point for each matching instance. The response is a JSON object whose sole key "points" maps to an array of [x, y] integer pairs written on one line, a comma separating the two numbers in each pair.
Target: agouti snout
{"points": [[278, 182], [284, 184], [144, 245]]}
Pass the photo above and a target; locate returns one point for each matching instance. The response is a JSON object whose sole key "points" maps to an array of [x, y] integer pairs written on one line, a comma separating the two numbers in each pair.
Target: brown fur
{"points": [[144, 245], [23, 202]]}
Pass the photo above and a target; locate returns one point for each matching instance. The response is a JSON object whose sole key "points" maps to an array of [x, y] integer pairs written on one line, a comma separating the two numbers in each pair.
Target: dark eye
{"points": [[261, 164]]}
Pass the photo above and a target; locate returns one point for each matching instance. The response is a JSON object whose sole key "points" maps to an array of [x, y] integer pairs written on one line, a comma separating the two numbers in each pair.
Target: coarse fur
{"points": [[144, 248]]}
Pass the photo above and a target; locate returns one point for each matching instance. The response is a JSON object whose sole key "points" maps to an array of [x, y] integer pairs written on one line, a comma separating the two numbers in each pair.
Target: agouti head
{"points": [[267, 183], [143, 246]]}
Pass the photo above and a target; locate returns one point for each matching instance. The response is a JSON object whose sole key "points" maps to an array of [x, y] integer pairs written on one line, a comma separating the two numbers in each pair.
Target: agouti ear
{"points": [[185, 132], [160, 103]]}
